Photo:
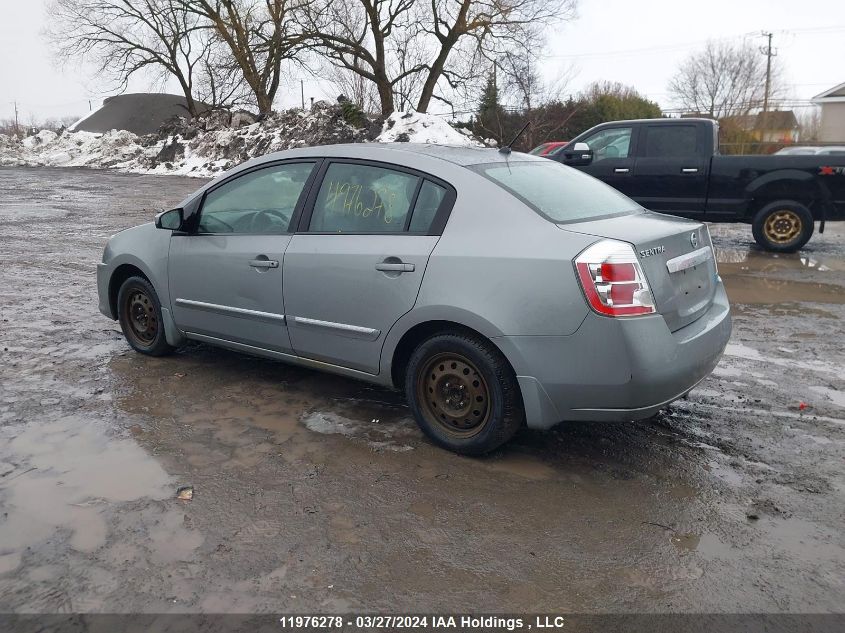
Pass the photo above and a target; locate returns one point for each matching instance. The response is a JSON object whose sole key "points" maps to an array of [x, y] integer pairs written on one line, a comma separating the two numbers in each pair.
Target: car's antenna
{"points": [[507, 148]]}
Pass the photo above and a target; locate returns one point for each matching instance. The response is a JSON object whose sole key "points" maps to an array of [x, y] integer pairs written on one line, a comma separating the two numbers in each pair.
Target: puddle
{"points": [[725, 473], [707, 545], [525, 466], [748, 289], [735, 260], [803, 539], [740, 350], [740, 272], [67, 472]]}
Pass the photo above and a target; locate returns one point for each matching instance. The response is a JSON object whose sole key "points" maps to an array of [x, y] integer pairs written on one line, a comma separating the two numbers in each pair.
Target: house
{"points": [[777, 126], [832, 102]]}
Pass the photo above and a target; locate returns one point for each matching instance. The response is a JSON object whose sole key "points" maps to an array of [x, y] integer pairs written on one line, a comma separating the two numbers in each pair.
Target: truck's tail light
{"points": [[613, 280]]}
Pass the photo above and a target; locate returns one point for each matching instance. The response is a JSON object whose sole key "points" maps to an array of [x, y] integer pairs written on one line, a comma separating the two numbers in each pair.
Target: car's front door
{"points": [[226, 275], [613, 156], [356, 265], [670, 173]]}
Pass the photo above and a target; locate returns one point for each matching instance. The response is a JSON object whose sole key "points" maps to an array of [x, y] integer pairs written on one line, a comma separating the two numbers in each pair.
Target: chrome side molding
{"points": [[356, 331], [231, 311]]}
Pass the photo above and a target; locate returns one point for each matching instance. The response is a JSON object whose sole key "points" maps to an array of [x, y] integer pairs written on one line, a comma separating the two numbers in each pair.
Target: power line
{"points": [[692, 44]]}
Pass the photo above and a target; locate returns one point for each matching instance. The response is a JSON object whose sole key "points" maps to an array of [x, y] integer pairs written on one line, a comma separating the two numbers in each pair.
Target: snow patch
{"points": [[378, 435], [414, 127], [206, 147]]}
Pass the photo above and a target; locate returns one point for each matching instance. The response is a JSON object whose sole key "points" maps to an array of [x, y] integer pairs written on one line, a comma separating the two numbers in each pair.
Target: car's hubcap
{"points": [[783, 226], [454, 395], [141, 317]]}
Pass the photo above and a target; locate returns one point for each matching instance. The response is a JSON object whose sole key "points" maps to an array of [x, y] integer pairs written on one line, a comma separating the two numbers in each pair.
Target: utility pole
{"points": [[302, 89], [767, 51], [17, 130]]}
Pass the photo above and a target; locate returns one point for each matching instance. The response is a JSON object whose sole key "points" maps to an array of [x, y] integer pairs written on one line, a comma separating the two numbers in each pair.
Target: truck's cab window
{"points": [[610, 143], [671, 141]]}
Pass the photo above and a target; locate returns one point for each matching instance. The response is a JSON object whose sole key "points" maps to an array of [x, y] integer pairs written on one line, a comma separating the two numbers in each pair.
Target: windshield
{"points": [[559, 193]]}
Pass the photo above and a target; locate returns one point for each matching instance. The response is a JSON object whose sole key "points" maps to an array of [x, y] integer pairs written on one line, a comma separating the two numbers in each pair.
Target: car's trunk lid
{"points": [[662, 242]]}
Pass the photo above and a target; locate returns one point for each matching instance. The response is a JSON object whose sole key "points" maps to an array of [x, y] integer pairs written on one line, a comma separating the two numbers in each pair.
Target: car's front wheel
{"points": [[783, 226], [463, 393], [139, 314]]}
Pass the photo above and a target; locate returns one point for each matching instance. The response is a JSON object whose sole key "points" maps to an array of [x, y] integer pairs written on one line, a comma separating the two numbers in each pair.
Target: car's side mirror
{"points": [[171, 220], [579, 154]]}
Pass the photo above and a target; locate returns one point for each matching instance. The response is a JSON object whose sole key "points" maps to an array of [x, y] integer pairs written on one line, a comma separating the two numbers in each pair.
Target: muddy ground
{"points": [[318, 493]]}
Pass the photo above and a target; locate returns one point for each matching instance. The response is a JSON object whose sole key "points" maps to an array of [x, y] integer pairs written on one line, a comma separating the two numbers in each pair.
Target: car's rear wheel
{"points": [[783, 226], [463, 393], [139, 314]]}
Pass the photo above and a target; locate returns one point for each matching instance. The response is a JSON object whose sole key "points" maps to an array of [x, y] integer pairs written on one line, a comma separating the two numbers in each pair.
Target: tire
{"points": [[139, 315], [783, 226], [463, 393]]}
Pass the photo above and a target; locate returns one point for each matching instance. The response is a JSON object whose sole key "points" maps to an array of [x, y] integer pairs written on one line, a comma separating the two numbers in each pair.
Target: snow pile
{"points": [[209, 145], [414, 127]]}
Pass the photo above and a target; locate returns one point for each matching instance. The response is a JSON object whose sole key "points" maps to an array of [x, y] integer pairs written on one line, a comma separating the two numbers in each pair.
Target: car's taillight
{"points": [[613, 280]]}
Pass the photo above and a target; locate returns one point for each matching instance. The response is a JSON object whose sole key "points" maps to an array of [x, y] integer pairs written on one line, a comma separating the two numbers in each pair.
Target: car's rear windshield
{"points": [[559, 193]]}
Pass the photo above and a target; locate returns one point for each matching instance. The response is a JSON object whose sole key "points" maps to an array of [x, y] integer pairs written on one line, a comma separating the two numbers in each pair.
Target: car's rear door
{"points": [[356, 264], [226, 275], [671, 168]]}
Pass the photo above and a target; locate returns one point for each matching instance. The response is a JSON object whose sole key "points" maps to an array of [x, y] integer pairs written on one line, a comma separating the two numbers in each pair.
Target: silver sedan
{"points": [[497, 290]]}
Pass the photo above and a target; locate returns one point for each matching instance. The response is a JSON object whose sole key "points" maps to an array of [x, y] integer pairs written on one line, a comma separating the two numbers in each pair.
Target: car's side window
{"points": [[425, 210], [355, 198], [671, 141], [610, 143], [259, 202]]}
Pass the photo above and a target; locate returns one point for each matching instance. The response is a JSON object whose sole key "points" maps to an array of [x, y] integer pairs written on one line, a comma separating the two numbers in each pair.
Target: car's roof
{"points": [[392, 152]]}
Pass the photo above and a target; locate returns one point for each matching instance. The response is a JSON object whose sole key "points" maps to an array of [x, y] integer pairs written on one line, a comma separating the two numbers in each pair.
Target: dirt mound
{"points": [[208, 145], [139, 113]]}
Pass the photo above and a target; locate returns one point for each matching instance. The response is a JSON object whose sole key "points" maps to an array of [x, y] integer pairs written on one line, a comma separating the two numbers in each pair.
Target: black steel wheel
{"points": [[139, 314], [454, 394], [463, 393]]}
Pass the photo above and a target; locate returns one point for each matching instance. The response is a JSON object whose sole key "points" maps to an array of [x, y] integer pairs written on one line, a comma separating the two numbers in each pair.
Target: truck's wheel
{"points": [[463, 393], [139, 314], [783, 226]]}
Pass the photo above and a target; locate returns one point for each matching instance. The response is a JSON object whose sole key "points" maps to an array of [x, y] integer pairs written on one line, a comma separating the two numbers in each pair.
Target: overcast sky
{"points": [[637, 42]]}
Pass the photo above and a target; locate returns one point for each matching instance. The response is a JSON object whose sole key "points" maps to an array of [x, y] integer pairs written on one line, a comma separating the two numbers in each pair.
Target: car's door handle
{"points": [[396, 267], [264, 263], [621, 170], [689, 170]]}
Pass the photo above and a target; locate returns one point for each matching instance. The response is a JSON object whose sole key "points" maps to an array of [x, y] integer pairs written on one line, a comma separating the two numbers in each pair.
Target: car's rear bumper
{"points": [[616, 369]]}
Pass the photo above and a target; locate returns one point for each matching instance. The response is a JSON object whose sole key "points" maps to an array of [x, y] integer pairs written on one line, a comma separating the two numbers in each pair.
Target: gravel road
{"points": [[314, 493]]}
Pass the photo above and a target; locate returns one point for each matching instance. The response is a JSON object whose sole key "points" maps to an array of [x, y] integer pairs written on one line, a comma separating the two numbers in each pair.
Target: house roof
{"points": [[837, 93], [775, 120]]}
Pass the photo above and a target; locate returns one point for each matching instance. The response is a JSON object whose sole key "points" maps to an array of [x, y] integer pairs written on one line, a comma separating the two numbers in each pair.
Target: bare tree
{"points": [[125, 37], [723, 80], [351, 84], [490, 26], [811, 123], [412, 48], [356, 35], [260, 35], [518, 74]]}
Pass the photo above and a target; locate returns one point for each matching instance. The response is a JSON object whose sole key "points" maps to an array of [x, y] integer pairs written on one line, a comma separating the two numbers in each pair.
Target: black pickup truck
{"points": [[674, 166]]}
